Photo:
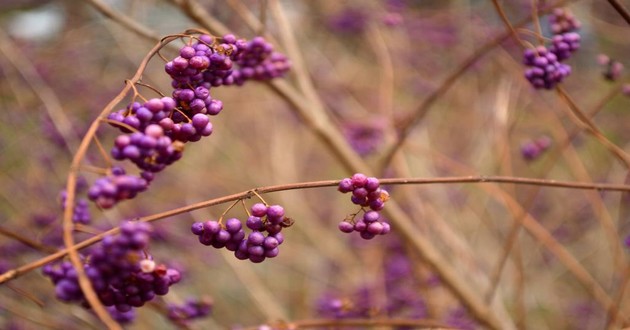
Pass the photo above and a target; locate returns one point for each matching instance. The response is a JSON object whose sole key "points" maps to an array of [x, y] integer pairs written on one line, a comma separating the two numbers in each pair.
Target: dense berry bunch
{"points": [[213, 233], [191, 309], [201, 61], [534, 148], [364, 138], [612, 68], [257, 60], [81, 211], [266, 223], [150, 150], [562, 21], [140, 115], [563, 45], [108, 190], [121, 273], [366, 192], [122, 317], [156, 130], [544, 69]]}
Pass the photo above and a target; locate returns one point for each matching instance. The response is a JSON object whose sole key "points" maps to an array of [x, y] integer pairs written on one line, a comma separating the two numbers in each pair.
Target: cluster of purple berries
{"points": [[108, 190], [545, 69], [366, 192], [612, 68], [563, 45], [534, 148], [121, 273], [81, 212], [562, 21], [364, 138], [265, 223], [191, 309], [156, 130], [150, 150], [257, 60], [122, 317]]}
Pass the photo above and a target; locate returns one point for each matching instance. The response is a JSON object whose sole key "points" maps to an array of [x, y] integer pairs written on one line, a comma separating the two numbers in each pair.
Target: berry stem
{"points": [[228, 210], [259, 197]]}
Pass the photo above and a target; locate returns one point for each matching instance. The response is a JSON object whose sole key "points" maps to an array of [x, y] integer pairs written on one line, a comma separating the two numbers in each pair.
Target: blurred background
{"points": [[372, 65]]}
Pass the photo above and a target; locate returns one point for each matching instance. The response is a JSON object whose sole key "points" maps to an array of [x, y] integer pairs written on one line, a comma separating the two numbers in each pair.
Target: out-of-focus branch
{"points": [[124, 20], [621, 10]]}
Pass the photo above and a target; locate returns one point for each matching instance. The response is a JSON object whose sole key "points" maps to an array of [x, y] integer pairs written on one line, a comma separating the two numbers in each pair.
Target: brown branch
{"points": [[12, 274], [68, 239], [27, 241], [620, 9], [124, 20], [623, 157], [337, 323]]}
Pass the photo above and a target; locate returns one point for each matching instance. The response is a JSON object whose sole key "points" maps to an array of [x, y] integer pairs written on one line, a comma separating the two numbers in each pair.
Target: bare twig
{"points": [[26, 241], [370, 323], [620, 9], [124, 20]]}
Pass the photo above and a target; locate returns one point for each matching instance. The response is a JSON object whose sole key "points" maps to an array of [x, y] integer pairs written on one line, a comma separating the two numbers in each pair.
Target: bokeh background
{"points": [[372, 64]]}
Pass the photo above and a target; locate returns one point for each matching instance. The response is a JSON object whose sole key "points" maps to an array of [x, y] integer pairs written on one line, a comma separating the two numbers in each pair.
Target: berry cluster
{"points": [[191, 309], [365, 138], [563, 45], [150, 150], [108, 190], [266, 223], [202, 63], [366, 192], [534, 148], [612, 68], [562, 21], [81, 212], [122, 317], [156, 130], [121, 273], [544, 69], [257, 60]]}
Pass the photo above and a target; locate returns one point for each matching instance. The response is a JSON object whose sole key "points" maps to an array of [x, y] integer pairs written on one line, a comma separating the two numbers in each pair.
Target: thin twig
{"points": [[620, 9], [337, 323], [27, 241], [41, 89], [623, 157], [124, 20]]}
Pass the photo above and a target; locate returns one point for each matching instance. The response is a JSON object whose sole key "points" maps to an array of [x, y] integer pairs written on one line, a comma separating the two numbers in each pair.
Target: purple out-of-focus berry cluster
{"points": [[364, 137], [532, 149], [544, 64], [612, 68], [265, 223], [190, 310], [367, 193], [155, 132], [122, 274], [81, 211]]}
